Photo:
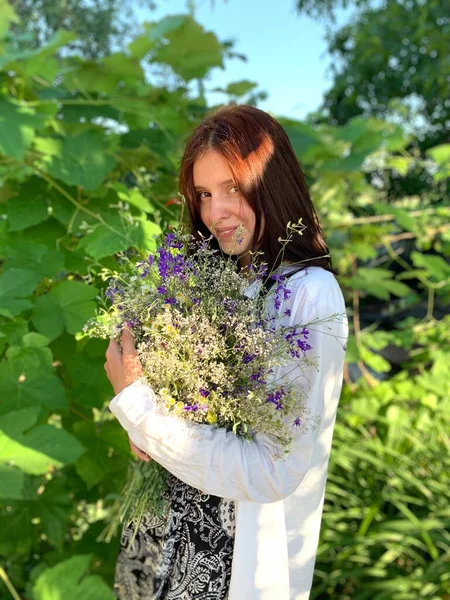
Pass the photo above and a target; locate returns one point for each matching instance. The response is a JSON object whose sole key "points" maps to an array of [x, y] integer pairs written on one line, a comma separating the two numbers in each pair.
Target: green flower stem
{"points": [[71, 199], [12, 590]]}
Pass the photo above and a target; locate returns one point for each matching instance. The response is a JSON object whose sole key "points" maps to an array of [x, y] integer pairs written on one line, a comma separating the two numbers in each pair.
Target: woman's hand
{"points": [[139, 453], [122, 367]]}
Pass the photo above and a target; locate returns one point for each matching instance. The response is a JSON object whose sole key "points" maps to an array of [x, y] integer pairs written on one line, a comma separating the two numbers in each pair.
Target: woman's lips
{"points": [[226, 233]]}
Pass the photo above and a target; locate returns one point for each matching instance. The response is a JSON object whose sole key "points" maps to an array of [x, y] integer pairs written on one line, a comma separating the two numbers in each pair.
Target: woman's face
{"points": [[223, 209]]}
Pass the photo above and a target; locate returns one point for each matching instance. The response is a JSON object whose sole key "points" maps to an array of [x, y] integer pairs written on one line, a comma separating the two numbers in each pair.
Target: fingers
{"points": [[128, 342], [139, 453], [113, 352]]}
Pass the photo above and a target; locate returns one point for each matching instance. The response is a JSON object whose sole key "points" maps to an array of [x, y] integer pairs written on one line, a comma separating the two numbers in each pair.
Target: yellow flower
{"points": [[170, 330], [211, 417]]}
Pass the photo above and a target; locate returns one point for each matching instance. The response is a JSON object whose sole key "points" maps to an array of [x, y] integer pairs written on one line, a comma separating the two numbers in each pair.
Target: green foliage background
{"points": [[89, 153]]}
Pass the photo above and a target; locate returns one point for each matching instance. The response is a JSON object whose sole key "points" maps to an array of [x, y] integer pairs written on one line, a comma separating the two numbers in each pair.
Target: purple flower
{"points": [[303, 345], [111, 292], [189, 408], [204, 393], [275, 398], [170, 301], [171, 241], [297, 422], [248, 357], [161, 289], [287, 312], [257, 377]]}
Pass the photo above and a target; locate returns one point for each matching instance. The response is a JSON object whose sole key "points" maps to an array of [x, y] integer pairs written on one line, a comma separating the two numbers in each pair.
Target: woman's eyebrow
{"points": [[226, 182]]}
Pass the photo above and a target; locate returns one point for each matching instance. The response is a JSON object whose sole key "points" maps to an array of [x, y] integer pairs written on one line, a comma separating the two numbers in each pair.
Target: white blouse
{"points": [[278, 502]]}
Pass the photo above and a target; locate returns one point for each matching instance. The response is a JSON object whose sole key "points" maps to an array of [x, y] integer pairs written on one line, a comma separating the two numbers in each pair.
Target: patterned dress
{"points": [[185, 554]]}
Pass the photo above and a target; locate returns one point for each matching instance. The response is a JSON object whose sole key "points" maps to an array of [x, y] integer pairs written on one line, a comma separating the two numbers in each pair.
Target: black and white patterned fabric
{"points": [[185, 554]]}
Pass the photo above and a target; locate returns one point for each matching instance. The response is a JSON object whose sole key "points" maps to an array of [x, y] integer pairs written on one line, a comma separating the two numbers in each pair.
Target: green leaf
{"points": [[13, 331], [69, 580], [17, 127], [54, 509], [440, 154], [11, 479], [25, 384], [26, 209], [81, 159], [401, 216], [400, 163], [378, 283], [5, 312], [304, 138], [238, 88], [35, 257], [436, 267], [106, 240], [35, 449], [7, 16], [374, 361], [352, 354], [18, 283], [154, 32], [105, 76], [93, 466], [67, 306], [191, 51], [118, 236], [135, 198]]}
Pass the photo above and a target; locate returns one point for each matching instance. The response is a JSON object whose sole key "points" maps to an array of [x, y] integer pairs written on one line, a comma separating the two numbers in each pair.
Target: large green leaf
{"points": [[35, 257], [440, 154], [154, 33], [27, 209], [238, 88], [25, 384], [437, 268], [35, 449], [191, 51], [118, 235], [18, 283], [11, 480], [7, 16], [67, 306], [105, 76], [81, 159], [38, 61], [17, 127], [379, 283], [69, 580], [15, 286]]}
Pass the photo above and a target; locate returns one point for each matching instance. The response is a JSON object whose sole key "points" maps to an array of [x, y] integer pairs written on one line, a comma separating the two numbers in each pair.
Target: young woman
{"points": [[241, 525]]}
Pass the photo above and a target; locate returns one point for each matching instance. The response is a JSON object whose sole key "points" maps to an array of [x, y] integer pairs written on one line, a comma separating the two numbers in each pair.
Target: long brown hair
{"points": [[268, 174]]}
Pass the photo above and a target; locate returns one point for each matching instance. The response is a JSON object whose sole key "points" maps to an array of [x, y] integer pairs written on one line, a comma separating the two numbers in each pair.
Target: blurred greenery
{"points": [[89, 155], [100, 27]]}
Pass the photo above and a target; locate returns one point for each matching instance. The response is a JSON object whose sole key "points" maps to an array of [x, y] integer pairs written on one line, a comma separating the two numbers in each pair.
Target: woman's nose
{"points": [[218, 210]]}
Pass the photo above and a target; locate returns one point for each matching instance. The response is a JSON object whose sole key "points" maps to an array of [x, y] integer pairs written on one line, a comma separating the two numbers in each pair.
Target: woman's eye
{"points": [[200, 195], [234, 187]]}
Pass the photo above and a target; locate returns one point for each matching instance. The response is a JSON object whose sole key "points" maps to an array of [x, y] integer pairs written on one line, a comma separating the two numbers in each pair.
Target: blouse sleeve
{"points": [[215, 460]]}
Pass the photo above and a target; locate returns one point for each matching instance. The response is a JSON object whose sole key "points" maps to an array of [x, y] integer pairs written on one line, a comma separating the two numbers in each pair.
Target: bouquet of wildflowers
{"points": [[206, 348]]}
